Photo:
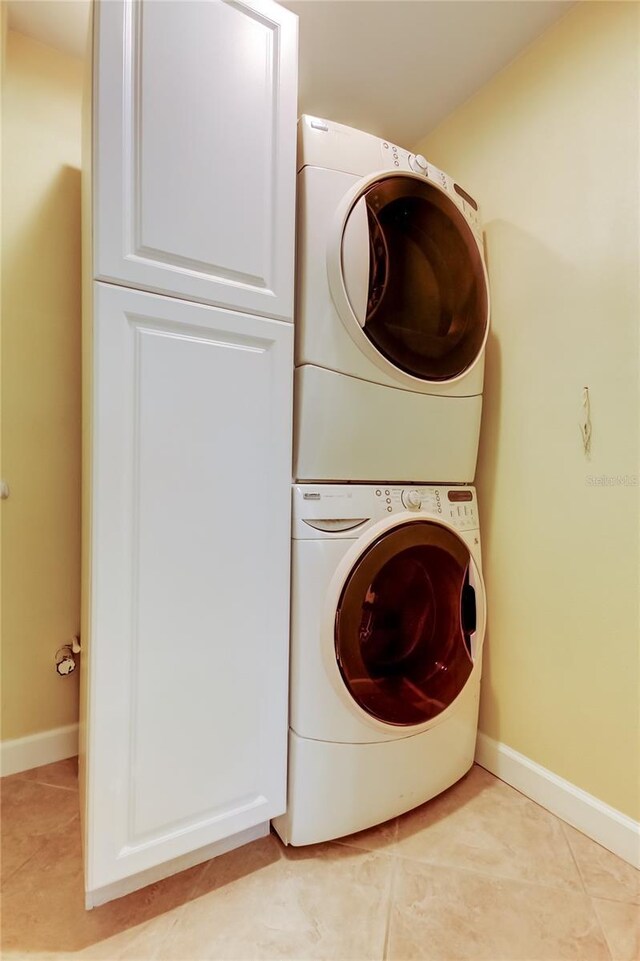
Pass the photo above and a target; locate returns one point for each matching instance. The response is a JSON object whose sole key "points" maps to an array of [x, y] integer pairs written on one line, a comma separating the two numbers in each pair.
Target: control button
{"points": [[412, 500], [389, 508], [378, 493], [386, 492], [388, 500], [418, 163], [385, 145], [396, 163]]}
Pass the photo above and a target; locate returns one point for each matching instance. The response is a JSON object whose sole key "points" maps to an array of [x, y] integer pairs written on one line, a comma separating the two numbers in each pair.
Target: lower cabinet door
{"points": [[185, 696]]}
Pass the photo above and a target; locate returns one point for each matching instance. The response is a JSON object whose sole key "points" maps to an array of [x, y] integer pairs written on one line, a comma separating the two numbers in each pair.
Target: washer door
{"points": [[414, 278], [404, 624]]}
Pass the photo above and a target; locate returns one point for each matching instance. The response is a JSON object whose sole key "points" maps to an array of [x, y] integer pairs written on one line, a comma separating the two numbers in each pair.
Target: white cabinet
{"points": [[187, 698], [194, 145], [188, 362]]}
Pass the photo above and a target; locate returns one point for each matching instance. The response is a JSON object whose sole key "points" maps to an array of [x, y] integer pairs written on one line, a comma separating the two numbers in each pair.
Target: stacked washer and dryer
{"points": [[388, 602]]}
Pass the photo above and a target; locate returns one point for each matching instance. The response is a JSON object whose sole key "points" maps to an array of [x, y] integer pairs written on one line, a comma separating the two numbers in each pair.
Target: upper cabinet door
{"points": [[194, 143]]}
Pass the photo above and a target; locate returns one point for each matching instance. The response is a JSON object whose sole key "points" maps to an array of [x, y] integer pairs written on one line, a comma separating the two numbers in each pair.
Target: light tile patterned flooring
{"points": [[479, 873]]}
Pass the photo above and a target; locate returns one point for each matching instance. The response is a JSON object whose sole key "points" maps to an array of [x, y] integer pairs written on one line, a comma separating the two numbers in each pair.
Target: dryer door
{"points": [[405, 623], [414, 278]]}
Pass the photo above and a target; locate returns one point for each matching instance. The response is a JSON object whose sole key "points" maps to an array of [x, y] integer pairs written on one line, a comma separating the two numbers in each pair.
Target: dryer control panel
{"points": [[395, 158], [345, 509], [334, 146], [399, 159]]}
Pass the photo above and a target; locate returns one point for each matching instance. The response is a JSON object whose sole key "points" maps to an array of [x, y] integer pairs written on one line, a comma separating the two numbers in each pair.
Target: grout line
{"points": [[606, 826], [42, 840], [608, 946], [573, 857], [178, 912], [384, 851], [387, 930], [600, 897], [23, 776], [58, 787], [166, 939], [5, 878], [448, 866], [594, 911], [605, 897], [199, 875]]}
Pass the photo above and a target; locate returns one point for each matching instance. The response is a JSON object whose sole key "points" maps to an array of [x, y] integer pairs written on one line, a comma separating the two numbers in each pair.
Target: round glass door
{"points": [[404, 623], [424, 306]]}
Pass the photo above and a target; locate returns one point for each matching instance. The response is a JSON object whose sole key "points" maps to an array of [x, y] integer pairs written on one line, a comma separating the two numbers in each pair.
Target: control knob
{"points": [[412, 500], [418, 163]]}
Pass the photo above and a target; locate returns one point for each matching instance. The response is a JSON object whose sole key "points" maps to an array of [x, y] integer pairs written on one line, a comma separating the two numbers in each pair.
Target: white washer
{"points": [[392, 313], [388, 620]]}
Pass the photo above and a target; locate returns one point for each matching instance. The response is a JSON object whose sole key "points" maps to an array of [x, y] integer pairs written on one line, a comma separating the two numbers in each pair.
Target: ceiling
{"points": [[60, 23], [392, 67], [397, 67]]}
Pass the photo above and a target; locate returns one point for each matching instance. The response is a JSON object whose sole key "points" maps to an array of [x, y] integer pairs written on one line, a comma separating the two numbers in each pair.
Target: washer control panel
{"points": [[344, 510], [456, 505]]}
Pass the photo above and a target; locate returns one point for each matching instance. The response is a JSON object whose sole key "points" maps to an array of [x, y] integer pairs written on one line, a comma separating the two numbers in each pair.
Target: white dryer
{"points": [[388, 620], [392, 313]]}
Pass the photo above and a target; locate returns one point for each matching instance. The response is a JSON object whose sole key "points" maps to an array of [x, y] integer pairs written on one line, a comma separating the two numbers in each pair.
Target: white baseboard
{"points": [[604, 824], [24, 753]]}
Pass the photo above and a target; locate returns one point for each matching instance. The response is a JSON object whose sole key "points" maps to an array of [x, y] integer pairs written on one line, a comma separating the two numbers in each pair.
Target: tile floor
{"points": [[479, 873]]}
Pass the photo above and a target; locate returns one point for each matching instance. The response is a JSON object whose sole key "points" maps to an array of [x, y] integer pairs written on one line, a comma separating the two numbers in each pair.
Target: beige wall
{"points": [[40, 382], [550, 149]]}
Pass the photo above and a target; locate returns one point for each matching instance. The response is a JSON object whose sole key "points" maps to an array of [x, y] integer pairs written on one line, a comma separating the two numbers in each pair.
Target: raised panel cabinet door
{"points": [[194, 140], [189, 599]]}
